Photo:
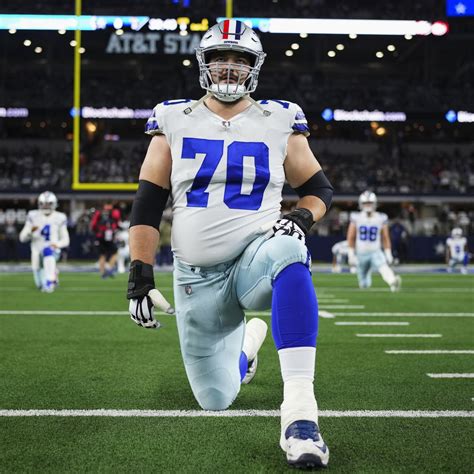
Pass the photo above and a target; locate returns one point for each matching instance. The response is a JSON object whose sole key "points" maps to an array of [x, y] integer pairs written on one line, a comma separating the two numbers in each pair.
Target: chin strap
{"points": [[265, 112], [188, 110]]}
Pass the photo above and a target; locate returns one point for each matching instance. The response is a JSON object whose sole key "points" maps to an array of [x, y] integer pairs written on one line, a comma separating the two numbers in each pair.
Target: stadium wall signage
{"points": [[152, 43]]}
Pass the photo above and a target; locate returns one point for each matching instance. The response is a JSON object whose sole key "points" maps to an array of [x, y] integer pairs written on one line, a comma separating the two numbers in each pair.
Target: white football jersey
{"points": [[340, 248], [227, 175], [456, 247], [369, 229], [44, 230]]}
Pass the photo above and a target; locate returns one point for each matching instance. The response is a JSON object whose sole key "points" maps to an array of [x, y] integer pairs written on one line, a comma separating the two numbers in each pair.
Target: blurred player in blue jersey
{"points": [[456, 251], [46, 229], [225, 159], [367, 231]]}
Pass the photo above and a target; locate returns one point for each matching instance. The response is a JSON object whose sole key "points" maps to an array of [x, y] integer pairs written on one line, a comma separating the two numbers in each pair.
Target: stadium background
{"points": [[422, 167], [84, 390]]}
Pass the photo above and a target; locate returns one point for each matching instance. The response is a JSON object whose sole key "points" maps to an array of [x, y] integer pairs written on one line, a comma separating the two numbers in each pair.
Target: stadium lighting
{"points": [[62, 31], [91, 127], [70, 22], [38, 49], [119, 32], [331, 54], [295, 46], [408, 37], [183, 33], [330, 26], [381, 131], [72, 43], [118, 23], [27, 42], [439, 28], [288, 52], [12, 31], [352, 36], [340, 47], [391, 47], [303, 35], [82, 50], [379, 54], [186, 62]]}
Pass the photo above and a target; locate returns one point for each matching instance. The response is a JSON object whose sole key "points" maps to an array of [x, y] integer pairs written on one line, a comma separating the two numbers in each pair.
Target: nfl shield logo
{"points": [[188, 290]]}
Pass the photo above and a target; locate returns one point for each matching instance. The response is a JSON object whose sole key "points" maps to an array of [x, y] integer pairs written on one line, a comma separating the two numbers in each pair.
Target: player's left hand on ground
{"points": [[295, 224], [144, 296], [388, 256]]}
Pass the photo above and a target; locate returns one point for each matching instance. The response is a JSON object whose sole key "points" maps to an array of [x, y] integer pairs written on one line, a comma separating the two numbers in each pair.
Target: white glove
{"points": [[352, 258], [141, 309], [388, 256]]}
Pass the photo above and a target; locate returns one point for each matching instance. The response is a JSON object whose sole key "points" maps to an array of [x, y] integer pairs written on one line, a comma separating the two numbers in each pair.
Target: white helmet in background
{"points": [[456, 233], [47, 202], [230, 35], [368, 201]]}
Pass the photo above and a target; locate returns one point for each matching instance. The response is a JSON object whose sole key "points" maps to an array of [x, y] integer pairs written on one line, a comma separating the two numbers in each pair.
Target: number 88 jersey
{"points": [[227, 175], [369, 228]]}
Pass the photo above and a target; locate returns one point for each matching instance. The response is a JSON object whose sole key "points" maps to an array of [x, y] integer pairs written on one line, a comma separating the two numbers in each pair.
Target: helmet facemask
{"points": [[368, 202], [47, 203], [234, 80], [227, 81]]}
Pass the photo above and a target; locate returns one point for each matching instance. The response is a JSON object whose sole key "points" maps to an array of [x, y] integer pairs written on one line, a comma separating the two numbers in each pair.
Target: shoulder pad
{"points": [[156, 124]]}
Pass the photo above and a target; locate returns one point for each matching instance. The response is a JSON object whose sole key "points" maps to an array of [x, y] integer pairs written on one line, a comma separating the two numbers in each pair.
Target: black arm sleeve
{"points": [[319, 186], [149, 204]]}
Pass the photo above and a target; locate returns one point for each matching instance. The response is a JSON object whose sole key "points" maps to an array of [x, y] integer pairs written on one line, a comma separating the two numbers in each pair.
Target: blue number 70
{"points": [[236, 151]]}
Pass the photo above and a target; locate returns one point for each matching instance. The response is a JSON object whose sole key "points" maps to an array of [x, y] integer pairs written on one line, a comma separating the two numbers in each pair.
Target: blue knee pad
{"points": [[294, 308], [48, 252]]}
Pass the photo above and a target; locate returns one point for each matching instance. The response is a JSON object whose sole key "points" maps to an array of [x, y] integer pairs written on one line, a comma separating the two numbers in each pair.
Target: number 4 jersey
{"points": [[44, 230], [369, 228], [227, 175]]}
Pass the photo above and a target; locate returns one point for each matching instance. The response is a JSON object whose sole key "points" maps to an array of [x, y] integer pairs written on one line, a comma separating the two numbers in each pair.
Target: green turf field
{"points": [[86, 361]]}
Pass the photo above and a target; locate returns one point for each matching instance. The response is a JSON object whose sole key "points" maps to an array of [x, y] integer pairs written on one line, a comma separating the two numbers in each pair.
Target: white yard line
{"points": [[367, 323], [342, 306], [399, 335], [236, 413], [331, 300], [377, 314], [326, 314], [434, 351], [451, 376]]}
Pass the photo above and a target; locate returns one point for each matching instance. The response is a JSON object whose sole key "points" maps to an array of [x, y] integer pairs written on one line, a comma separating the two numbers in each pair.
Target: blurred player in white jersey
{"points": [[123, 250], [46, 229], [456, 251], [367, 231], [340, 257], [226, 157]]}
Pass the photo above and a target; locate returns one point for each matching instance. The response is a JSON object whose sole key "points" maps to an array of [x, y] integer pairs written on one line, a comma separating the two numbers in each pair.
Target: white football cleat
{"points": [[397, 284], [255, 333], [304, 446], [464, 270]]}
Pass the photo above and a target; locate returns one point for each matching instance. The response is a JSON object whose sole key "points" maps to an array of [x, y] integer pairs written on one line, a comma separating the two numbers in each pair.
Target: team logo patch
{"points": [[188, 290]]}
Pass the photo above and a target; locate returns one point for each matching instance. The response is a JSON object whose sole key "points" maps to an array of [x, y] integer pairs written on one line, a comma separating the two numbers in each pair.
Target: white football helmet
{"points": [[47, 202], [456, 232], [230, 35], [368, 201]]}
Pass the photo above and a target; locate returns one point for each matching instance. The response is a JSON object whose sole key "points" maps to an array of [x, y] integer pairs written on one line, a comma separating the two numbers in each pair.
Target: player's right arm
{"points": [[156, 169], [28, 229], [448, 252], [351, 240], [148, 206]]}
